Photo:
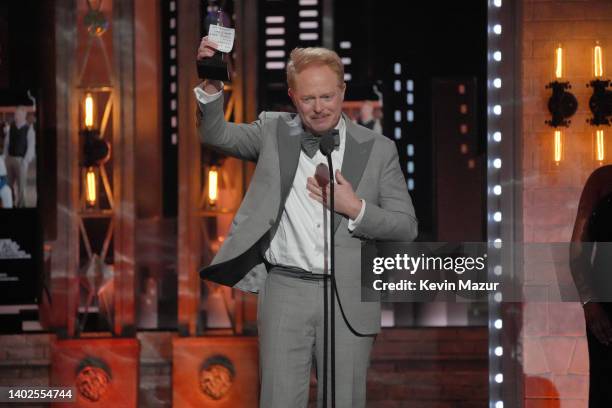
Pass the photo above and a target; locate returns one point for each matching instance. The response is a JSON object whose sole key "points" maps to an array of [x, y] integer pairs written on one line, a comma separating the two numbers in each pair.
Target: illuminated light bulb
{"points": [[559, 62], [89, 111], [213, 185], [600, 153], [597, 61], [499, 351], [558, 147], [91, 190]]}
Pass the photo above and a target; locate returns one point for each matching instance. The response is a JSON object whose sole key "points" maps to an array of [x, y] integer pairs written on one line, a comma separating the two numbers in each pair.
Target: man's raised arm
{"points": [[239, 140]]}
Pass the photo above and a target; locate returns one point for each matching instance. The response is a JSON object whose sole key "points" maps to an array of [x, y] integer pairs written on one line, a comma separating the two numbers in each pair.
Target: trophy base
{"points": [[212, 68]]}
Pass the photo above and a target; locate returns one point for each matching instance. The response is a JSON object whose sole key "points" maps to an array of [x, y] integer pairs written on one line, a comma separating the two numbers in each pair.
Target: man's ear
{"points": [[290, 93]]}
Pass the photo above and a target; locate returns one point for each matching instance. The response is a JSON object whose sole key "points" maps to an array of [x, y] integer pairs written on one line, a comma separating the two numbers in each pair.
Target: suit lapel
{"points": [[288, 135], [356, 154]]}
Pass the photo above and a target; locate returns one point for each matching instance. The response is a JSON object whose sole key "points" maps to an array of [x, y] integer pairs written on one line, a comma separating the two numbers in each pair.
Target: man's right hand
{"points": [[598, 322], [207, 49]]}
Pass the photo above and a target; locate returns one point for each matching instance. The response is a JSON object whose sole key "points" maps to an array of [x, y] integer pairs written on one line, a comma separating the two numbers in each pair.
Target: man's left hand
{"points": [[346, 201]]}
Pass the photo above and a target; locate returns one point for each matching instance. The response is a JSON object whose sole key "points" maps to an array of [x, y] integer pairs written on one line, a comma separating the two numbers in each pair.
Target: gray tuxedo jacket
{"points": [[370, 164]]}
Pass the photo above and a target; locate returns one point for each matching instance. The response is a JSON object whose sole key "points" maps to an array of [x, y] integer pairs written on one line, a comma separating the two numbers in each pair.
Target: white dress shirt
{"points": [[304, 224]]}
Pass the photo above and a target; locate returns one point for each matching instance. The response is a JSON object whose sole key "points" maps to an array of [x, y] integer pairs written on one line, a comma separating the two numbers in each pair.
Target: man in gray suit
{"points": [[276, 247]]}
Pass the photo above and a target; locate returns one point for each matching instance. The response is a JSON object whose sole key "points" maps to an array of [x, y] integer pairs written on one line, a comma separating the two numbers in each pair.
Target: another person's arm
{"points": [[6, 137], [31, 149], [581, 250]]}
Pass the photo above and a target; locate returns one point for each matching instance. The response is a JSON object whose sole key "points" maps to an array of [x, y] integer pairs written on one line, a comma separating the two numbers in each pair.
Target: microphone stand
{"points": [[327, 146], [333, 280]]}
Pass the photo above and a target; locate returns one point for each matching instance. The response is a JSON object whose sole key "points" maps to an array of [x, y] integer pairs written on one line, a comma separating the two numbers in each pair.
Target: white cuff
{"points": [[352, 224], [204, 97]]}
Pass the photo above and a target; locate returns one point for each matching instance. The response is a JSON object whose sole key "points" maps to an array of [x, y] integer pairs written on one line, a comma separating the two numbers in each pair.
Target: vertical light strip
{"points": [[308, 23], [404, 115], [410, 120], [172, 91], [345, 51], [499, 122], [275, 42]]}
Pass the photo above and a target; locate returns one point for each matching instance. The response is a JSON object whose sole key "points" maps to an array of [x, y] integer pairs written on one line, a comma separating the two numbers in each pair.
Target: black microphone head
{"points": [[327, 143], [322, 175]]}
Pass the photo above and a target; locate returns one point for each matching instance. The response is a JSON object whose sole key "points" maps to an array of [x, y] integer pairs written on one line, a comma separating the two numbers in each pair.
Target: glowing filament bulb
{"points": [[213, 187], [597, 61], [89, 111], [559, 62], [599, 145], [91, 190], [558, 148]]}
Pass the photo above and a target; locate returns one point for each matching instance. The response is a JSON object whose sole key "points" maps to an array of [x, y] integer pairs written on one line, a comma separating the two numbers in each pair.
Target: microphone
{"points": [[327, 143], [322, 175]]}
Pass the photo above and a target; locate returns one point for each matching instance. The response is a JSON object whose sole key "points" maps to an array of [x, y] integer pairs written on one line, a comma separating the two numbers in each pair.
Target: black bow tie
{"points": [[310, 143]]}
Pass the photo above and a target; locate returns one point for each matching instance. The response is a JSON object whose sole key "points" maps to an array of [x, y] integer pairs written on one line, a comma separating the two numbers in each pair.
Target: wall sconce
{"points": [[562, 104], [96, 151], [600, 103]]}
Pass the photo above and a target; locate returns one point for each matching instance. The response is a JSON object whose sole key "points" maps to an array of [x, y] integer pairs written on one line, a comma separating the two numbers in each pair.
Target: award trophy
{"points": [[214, 67]]}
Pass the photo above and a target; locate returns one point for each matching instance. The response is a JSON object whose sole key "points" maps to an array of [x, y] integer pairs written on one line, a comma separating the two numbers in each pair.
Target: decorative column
{"points": [[93, 257]]}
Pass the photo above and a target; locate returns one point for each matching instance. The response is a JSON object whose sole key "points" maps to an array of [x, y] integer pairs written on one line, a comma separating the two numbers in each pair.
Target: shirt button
{"points": [[318, 225]]}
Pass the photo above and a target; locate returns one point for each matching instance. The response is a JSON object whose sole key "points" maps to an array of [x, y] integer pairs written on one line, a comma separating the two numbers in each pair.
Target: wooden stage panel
{"points": [[215, 372], [103, 372]]}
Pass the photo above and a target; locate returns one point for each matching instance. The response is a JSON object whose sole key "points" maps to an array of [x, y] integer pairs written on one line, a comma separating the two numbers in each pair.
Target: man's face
{"points": [[20, 115], [318, 98]]}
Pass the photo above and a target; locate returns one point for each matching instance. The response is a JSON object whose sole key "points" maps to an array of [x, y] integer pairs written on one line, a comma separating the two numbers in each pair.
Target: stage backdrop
{"points": [[20, 256]]}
